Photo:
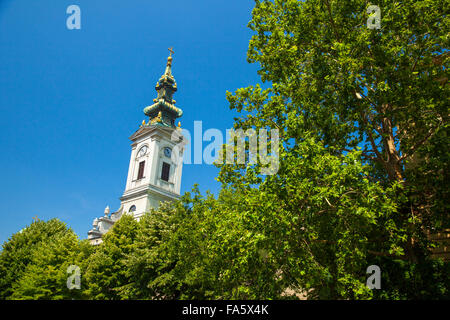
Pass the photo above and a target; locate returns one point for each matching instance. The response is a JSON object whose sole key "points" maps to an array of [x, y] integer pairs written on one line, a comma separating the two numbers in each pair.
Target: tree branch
{"points": [[372, 141], [330, 16], [414, 148]]}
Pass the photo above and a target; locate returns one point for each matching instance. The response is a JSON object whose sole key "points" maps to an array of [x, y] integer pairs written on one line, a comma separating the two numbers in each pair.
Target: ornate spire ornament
{"points": [[164, 105], [157, 119]]}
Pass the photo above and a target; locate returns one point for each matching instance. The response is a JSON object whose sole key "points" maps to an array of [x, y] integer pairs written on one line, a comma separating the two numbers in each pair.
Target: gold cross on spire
{"points": [[171, 51]]}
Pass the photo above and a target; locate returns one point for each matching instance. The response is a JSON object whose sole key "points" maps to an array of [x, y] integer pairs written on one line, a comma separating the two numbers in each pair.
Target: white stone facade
{"points": [[154, 172], [142, 194]]}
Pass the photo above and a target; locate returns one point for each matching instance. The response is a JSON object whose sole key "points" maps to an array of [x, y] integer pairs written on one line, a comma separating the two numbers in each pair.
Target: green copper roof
{"points": [[161, 104], [164, 110]]}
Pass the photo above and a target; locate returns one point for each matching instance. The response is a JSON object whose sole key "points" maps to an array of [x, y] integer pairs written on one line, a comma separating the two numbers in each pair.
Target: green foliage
{"points": [[404, 280], [46, 276], [150, 265], [106, 271], [34, 262], [17, 252], [363, 122]]}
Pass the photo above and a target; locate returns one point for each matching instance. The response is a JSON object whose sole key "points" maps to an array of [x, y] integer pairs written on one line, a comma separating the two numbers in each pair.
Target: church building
{"points": [[154, 172]]}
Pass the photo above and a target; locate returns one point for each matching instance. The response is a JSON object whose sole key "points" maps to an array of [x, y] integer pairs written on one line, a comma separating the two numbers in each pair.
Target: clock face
{"points": [[143, 151], [167, 152]]}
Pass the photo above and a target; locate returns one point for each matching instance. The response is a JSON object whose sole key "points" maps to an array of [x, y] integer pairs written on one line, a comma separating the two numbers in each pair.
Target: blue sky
{"points": [[69, 99]]}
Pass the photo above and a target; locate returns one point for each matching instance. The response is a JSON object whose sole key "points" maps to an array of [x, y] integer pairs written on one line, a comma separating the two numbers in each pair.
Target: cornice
{"points": [[145, 190], [152, 130]]}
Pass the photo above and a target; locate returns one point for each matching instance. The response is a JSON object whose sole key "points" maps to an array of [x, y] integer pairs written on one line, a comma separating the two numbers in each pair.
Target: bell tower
{"points": [[155, 168]]}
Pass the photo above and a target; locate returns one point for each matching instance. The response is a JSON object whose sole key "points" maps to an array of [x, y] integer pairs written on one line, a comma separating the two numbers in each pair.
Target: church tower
{"points": [[154, 172]]}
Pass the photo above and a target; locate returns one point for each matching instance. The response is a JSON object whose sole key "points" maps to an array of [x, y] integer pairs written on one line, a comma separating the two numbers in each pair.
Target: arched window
{"points": [[165, 172], [132, 208], [167, 166], [141, 170]]}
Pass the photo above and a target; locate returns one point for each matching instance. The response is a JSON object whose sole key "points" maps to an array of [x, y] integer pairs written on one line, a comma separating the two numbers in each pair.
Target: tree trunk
{"points": [[392, 162]]}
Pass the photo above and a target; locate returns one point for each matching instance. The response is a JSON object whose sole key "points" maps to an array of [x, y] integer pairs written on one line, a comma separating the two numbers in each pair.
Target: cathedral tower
{"points": [[154, 172]]}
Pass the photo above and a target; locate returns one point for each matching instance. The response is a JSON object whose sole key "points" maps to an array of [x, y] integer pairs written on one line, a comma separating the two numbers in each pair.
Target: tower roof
{"points": [[163, 111]]}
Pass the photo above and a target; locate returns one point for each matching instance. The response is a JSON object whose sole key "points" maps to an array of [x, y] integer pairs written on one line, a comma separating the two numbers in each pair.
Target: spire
{"points": [[168, 71], [164, 105]]}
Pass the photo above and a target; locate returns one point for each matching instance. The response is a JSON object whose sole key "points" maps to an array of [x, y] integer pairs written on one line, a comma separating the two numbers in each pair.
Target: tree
{"points": [[171, 260], [150, 264], [358, 110], [17, 252], [46, 276], [192, 249], [106, 273]]}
